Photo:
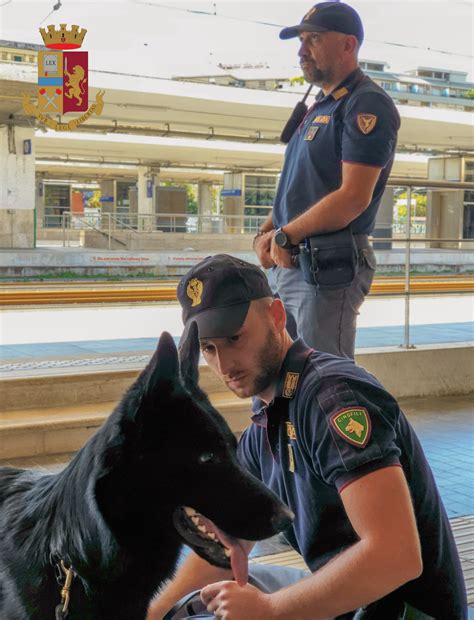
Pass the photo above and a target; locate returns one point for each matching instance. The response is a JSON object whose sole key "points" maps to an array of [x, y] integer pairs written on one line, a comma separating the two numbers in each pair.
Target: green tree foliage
{"points": [[297, 80], [421, 200]]}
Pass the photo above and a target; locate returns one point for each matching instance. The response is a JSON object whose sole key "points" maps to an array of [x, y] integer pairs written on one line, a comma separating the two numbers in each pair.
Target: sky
{"points": [[166, 37]]}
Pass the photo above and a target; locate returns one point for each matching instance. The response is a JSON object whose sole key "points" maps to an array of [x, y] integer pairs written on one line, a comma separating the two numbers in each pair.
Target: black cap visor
{"points": [[218, 322], [294, 31]]}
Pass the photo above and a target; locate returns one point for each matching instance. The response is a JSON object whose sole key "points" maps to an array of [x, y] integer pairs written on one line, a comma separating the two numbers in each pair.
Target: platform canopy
{"points": [[171, 124]]}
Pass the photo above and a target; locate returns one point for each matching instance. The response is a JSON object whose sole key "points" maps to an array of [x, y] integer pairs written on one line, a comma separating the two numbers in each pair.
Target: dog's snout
{"points": [[282, 519]]}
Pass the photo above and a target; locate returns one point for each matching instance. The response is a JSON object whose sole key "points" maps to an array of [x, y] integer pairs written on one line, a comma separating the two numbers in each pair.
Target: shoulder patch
{"points": [[353, 424], [366, 122]]}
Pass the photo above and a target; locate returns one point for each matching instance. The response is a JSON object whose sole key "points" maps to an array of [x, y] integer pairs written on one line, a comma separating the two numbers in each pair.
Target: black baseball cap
{"points": [[325, 17], [216, 294]]}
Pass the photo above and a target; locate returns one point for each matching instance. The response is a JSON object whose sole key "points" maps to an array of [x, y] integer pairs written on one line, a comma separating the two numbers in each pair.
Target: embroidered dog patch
{"points": [[353, 424]]}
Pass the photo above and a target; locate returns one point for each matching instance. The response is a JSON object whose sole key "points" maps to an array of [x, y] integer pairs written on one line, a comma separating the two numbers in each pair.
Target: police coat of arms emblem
{"points": [[63, 79]]}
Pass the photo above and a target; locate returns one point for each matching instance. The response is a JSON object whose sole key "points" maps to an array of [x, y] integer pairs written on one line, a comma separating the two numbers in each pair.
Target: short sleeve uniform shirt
{"points": [[331, 423], [357, 123]]}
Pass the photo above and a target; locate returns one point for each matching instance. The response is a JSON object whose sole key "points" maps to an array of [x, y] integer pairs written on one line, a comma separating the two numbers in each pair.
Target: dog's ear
{"points": [[163, 367], [189, 351]]}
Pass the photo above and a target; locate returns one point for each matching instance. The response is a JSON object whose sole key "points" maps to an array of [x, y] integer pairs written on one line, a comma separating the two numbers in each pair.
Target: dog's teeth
{"points": [[201, 528], [189, 511], [227, 553], [195, 520]]}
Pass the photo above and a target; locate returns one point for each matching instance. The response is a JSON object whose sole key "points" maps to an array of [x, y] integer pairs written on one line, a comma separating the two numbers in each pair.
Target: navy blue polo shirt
{"points": [[358, 122], [331, 423]]}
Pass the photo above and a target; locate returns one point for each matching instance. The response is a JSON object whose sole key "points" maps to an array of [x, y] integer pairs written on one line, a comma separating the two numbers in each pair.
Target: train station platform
{"points": [[16, 358]]}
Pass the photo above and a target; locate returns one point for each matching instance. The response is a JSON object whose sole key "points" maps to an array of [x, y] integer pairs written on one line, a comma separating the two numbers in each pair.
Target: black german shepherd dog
{"points": [[160, 471]]}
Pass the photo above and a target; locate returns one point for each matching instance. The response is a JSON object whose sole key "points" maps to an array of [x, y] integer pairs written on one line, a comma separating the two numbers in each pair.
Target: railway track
{"points": [[33, 294]]}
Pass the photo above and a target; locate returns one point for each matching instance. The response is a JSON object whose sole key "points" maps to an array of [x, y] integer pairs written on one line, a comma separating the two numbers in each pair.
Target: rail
{"points": [[143, 291], [113, 225]]}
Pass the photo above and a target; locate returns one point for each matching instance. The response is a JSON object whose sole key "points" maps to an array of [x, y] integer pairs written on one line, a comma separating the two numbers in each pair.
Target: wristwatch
{"points": [[282, 240]]}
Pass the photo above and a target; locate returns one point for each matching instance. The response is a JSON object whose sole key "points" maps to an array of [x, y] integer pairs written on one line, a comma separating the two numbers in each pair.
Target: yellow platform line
{"points": [[12, 296]]}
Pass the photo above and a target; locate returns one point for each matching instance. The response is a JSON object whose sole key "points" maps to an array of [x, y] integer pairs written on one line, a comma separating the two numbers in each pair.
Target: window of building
{"points": [[122, 202], [468, 219], [373, 66], [259, 196], [259, 190], [18, 58], [57, 200]]}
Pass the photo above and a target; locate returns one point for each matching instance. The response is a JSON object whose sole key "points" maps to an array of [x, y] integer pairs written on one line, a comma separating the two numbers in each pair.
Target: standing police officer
{"points": [[336, 167]]}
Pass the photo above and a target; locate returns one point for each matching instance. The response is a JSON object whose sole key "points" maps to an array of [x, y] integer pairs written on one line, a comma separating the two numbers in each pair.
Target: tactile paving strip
{"points": [[92, 361]]}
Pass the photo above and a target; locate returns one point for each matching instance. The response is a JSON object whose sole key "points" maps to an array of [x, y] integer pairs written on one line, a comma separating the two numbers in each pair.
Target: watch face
{"points": [[281, 239]]}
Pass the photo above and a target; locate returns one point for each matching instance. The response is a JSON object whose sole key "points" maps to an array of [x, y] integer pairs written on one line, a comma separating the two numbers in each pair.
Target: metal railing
{"points": [[109, 224], [116, 227]]}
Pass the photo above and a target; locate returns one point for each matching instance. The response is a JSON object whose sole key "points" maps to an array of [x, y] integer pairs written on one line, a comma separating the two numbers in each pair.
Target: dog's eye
{"points": [[206, 457]]}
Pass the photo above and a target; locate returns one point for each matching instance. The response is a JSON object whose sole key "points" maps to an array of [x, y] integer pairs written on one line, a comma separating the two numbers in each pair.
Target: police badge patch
{"points": [[366, 122], [194, 291]]}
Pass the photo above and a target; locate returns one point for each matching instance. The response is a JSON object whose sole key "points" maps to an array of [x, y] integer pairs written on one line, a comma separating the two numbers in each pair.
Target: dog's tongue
{"points": [[239, 550]]}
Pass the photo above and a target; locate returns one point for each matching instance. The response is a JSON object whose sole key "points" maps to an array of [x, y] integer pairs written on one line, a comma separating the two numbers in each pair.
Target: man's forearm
{"points": [[339, 208], [333, 212], [194, 574], [360, 575], [268, 223]]}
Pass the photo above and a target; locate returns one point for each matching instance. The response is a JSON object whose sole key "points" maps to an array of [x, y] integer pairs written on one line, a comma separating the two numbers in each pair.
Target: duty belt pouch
{"points": [[329, 261]]}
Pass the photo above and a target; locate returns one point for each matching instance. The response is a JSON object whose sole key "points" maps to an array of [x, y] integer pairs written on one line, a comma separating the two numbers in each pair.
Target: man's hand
{"points": [[262, 246], [280, 256], [229, 601]]}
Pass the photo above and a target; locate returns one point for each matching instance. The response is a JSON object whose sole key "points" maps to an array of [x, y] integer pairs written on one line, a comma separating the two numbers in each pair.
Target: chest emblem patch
{"points": [[194, 291], [291, 459], [366, 122], [323, 119], [290, 430], [312, 131], [291, 383], [353, 424]]}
